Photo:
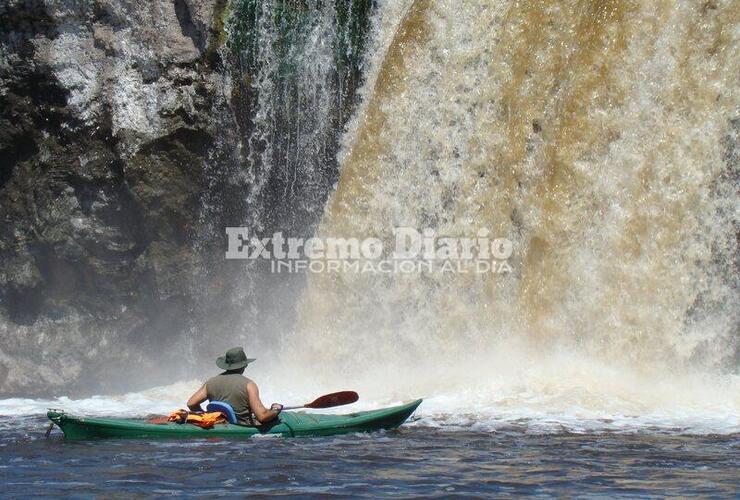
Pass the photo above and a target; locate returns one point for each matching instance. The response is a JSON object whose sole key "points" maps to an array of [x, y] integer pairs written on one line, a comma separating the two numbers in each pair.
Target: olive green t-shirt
{"points": [[231, 388]]}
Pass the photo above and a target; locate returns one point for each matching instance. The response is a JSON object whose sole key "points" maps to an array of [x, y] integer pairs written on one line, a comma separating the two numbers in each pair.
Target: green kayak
{"points": [[290, 424]]}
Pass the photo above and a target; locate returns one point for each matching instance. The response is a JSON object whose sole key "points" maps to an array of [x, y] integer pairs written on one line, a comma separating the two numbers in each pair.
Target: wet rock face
{"points": [[108, 111]]}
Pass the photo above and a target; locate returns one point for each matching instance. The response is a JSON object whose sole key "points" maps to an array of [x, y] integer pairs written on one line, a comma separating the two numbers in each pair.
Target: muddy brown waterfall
{"points": [[600, 137]]}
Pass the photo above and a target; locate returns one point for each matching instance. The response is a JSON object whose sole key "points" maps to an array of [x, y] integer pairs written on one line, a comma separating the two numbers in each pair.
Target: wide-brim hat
{"points": [[234, 359]]}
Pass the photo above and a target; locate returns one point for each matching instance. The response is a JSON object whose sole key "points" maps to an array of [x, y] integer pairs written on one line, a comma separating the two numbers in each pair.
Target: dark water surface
{"points": [[411, 462]]}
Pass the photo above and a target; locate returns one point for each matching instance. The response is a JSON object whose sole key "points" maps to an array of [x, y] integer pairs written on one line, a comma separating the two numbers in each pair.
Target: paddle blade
{"points": [[334, 399]]}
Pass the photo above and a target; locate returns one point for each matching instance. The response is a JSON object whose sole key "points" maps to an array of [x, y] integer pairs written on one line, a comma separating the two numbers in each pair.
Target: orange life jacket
{"points": [[204, 420]]}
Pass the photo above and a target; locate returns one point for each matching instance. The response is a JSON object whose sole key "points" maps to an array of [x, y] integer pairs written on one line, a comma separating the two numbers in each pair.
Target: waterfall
{"points": [[600, 138], [294, 68], [299, 64]]}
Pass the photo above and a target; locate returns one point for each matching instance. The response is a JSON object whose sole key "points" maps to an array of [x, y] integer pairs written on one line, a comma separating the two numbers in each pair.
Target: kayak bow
{"points": [[289, 424]]}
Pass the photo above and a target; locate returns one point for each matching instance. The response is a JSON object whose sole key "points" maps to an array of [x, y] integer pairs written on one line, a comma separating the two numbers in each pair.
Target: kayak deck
{"points": [[289, 424]]}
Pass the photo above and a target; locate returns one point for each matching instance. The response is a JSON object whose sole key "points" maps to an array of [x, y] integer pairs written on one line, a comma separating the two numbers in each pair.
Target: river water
{"points": [[417, 460]]}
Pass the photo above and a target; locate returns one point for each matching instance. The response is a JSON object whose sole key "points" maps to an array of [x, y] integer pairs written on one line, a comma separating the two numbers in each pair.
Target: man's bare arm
{"points": [[197, 398], [255, 403]]}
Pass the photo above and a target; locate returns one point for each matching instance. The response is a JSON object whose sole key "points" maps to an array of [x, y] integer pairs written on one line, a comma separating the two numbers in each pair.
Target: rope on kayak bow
{"points": [[56, 416]]}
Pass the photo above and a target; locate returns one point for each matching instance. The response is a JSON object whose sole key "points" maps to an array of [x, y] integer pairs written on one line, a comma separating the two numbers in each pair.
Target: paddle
{"points": [[329, 400]]}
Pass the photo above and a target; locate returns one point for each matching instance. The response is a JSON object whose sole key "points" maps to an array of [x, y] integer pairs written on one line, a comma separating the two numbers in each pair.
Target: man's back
{"points": [[235, 389], [231, 388]]}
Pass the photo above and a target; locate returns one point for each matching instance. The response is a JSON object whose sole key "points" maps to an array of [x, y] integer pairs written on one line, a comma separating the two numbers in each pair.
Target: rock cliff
{"points": [[110, 113]]}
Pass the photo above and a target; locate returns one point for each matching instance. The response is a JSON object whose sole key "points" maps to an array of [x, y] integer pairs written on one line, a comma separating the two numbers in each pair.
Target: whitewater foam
{"points": [[548, 395]]}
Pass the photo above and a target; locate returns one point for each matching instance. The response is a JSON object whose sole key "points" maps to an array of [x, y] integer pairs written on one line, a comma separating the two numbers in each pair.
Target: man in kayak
{"points": [[234, 388]]}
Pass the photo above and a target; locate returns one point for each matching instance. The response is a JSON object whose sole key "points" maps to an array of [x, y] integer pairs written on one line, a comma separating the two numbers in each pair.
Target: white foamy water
{"points": [[535, 397], [135, 404]]}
